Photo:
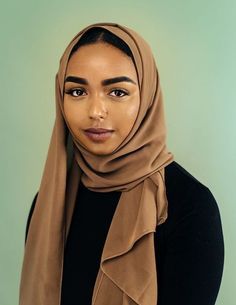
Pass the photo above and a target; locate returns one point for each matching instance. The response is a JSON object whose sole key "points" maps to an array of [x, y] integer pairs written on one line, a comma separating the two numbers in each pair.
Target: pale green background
{"points": [[194, 46]]}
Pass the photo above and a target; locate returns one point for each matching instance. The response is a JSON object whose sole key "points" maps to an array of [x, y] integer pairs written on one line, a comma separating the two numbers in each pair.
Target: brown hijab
{"points": [[127, 273]]}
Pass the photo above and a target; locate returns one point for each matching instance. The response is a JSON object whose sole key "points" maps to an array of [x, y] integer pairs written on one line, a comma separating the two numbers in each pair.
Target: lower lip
{"points": [[98, 137]]}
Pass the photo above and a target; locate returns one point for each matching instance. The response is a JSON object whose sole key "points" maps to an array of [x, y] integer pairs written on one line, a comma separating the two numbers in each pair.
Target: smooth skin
{"points": [[93, 103]]}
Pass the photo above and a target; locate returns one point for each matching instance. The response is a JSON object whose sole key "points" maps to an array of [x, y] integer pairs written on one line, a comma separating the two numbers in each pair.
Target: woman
{"points": [[116, 219]]}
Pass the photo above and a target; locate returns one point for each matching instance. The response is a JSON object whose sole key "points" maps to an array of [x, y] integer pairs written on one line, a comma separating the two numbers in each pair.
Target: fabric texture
{"points": [[189, 244], [127, 273]]}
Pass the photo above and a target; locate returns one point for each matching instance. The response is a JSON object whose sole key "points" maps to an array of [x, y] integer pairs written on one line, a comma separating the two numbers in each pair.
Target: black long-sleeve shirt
{"points": [[189, 244]]}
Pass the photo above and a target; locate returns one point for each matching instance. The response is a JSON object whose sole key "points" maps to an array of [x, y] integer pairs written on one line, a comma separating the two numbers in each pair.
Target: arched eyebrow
{"points": [[105, 82]]}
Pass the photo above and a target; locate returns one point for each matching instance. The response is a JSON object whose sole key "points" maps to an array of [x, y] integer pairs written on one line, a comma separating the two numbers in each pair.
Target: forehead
{"points": [[100, 56]]}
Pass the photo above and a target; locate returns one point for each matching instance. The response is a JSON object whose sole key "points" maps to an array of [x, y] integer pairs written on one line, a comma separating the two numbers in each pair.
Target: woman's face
{"points": [[101, 91]]}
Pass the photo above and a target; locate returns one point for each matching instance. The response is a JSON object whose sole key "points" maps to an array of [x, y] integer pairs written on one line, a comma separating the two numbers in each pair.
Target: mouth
{"points": [[98, 130], [98, 134]]}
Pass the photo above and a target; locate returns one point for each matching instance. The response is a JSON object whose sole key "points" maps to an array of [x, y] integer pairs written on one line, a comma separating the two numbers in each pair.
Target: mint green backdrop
{"points": [[194, 46]]}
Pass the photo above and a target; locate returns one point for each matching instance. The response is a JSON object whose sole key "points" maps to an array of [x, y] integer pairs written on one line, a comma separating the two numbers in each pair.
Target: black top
{"points": [[189, 244]]}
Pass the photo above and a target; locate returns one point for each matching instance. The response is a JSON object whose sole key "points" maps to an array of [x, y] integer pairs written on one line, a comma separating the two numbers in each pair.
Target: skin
{"points": [[95, 105]]}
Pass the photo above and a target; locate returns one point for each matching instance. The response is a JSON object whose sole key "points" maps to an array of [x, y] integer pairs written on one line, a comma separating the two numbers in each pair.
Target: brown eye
{"points": [[119, 92], [75, 92]]}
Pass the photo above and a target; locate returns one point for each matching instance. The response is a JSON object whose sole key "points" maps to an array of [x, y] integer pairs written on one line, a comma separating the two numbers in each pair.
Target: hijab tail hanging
{"points": [[45, 241]]}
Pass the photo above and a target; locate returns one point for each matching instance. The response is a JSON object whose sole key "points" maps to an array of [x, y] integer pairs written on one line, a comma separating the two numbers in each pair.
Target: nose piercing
{"points": [[101, 115]]}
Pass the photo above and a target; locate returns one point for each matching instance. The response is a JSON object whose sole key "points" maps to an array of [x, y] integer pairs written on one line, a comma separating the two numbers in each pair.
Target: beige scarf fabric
{"points": [[127, 273]]}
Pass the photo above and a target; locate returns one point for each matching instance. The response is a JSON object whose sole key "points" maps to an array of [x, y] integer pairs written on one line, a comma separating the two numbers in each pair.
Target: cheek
{"points": [[73, 113], [132, 111], [128, 113]]}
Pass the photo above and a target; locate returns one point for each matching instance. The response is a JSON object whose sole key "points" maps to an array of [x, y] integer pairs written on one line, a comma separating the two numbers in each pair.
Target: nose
{"points": [[97, 109]]}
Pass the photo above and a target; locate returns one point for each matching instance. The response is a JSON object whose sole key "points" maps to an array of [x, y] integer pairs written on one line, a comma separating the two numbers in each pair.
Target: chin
{"points": [[98, 148], [100, 152]]}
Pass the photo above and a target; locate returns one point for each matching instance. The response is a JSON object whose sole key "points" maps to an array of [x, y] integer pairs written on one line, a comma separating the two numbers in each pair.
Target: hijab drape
{"points": [[127, 271]]}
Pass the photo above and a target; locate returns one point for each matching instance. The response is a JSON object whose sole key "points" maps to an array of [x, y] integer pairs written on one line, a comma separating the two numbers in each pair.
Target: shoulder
{"points": [[187, 195], [180, 180], [189, 242]]}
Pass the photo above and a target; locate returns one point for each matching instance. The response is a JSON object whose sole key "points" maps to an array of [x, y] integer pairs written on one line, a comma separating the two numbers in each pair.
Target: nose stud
{"points": [[99, 115]]}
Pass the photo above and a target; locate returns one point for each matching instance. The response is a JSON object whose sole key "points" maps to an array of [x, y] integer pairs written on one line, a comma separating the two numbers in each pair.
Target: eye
{"points": [[119, 92], [75, 92]]}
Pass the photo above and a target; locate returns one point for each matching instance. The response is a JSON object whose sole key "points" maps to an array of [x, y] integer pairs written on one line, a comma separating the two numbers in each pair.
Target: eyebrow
{"points": [[105, 82]]}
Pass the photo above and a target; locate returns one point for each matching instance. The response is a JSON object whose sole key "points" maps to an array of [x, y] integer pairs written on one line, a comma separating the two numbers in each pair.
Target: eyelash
{"points": [[70, 92]]}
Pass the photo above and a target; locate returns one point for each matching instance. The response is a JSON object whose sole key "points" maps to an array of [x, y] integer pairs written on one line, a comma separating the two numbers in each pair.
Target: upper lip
{"points": [[98, 130]]}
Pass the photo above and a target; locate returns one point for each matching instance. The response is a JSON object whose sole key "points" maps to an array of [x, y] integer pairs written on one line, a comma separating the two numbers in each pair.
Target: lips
{"points": [[98, 130], [98, 134]]}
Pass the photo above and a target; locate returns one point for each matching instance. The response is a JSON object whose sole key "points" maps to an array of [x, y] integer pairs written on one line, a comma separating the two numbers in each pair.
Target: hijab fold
{"points": [[127, 272]]}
